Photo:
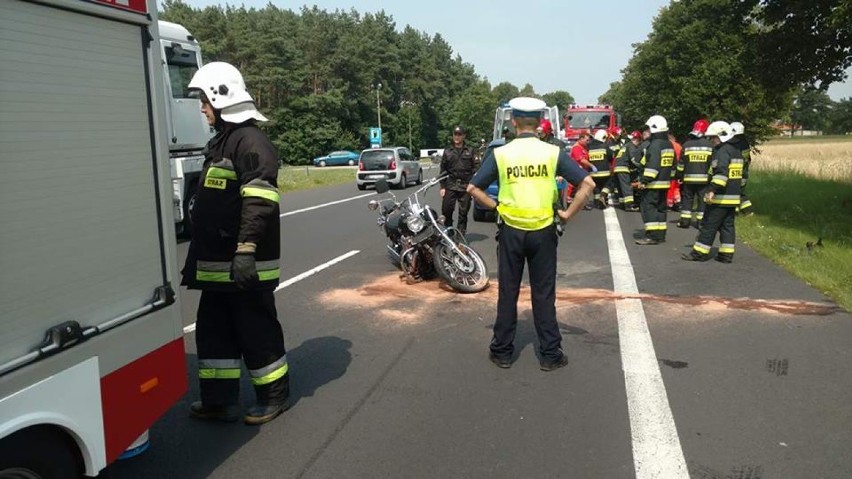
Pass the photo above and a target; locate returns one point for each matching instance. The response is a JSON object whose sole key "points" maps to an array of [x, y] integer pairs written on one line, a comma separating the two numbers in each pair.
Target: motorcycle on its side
{"points": [[422, 246]]}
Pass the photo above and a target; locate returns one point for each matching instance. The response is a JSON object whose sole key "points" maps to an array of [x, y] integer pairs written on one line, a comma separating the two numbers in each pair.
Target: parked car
{"points": [[337, 158], [396, 165]]}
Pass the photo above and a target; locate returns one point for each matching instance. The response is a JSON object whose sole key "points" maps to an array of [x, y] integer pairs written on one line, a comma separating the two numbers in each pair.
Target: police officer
{"points": [[526, 170], [655, 181], [692, 171], [740, 142], [722, 197], [458, 163], [233, 256]]}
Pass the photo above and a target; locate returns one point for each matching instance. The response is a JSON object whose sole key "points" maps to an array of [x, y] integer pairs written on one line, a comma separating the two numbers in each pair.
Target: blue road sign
{"points": [[375, 136]]}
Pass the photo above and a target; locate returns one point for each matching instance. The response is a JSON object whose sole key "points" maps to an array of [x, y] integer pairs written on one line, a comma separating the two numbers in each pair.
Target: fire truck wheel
{"points": [[39, 452]]}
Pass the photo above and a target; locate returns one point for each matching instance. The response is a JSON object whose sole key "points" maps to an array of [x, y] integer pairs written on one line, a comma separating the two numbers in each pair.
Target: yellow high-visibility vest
{"points": [[527, 169]]}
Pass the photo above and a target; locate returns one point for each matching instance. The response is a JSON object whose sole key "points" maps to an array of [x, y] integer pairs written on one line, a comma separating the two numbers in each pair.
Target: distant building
{"points": [[787, 129]]}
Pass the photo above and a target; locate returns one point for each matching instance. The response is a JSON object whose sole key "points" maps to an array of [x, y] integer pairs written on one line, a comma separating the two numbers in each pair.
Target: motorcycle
{"points": [[422, 246]]}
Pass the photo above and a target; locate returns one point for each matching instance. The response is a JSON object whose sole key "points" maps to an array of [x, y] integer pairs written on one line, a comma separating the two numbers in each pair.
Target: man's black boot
{"points": [[197, 410], [263, 413], [553, 365]]}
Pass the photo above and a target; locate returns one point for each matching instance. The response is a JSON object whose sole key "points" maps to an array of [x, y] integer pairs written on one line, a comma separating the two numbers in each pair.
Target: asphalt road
{"points": [[743, 372]]}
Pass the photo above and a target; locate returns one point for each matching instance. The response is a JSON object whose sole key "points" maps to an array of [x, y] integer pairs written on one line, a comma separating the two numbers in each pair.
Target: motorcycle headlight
{"points": [[415, 223], [373, 205]]}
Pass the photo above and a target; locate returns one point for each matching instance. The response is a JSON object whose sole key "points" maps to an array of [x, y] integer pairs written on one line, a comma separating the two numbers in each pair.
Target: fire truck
{"points": [[91, 338], [580, 119], [188, 130]]}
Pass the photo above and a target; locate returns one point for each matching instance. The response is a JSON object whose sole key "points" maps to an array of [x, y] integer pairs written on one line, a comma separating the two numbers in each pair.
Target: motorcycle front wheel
{"points": [[463, 276]]}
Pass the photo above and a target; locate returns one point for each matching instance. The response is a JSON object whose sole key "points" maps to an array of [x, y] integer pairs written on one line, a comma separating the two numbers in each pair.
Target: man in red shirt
{"points": [[673, 196], [580, 154]]}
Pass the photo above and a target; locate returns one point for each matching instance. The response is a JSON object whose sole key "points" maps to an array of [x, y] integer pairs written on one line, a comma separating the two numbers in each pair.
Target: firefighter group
{"points": [[651, 172]]}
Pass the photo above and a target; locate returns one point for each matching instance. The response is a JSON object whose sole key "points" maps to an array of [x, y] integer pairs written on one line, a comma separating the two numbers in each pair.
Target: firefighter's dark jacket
{"points": [[694, 167], [460, 164], [627, 158], [728, 170], [659, 161], [599, 156], [236, 202]]}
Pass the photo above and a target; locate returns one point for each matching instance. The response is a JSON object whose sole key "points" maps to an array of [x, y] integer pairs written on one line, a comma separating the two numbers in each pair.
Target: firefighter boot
{"points": [[263, 413], [683, 222], [726, 258], [271, 401], [198, 410], [695, 256]]}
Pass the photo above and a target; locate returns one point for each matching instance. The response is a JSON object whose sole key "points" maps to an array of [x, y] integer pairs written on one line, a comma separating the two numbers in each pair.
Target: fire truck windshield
{"points": [[590, 119]]}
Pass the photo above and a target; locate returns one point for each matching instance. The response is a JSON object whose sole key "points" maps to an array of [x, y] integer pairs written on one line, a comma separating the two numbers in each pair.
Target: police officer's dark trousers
{"points": [[240, 325], [717, 219], [538, 248], [448, 206], [653, 208]]}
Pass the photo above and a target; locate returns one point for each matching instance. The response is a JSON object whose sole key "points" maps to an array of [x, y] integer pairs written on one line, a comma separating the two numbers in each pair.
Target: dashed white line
{"points": [[657, 453], [325, 204], [295, 279]]}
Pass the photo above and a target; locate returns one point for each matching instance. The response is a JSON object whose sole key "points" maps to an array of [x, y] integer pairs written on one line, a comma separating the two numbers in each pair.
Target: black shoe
{"points": [[694, 257], [724, 259], [551, 365], [504, 363], [197, 410], [649, 241], [696, 224], [262, 414], [683, 224], [631, 209]]}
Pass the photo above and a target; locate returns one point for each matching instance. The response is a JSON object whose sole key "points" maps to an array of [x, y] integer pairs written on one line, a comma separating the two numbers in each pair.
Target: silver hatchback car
{"points": [[396, 165]]}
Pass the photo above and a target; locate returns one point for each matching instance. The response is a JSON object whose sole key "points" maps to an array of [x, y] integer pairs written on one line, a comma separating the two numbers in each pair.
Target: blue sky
{"points": [[578, 46]]}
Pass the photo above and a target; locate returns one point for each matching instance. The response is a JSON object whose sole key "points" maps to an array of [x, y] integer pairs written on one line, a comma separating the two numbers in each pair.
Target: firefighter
{"points": [[233, 256], [600, 156], [458, 163], [722, 197], [741, 142], [526, 170], [673, 197], [655, 181], [623, 168], [693, 170]]}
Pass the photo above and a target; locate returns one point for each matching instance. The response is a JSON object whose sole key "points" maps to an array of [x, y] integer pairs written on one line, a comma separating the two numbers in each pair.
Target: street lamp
{"points": [[379, 104], [409, 104]]}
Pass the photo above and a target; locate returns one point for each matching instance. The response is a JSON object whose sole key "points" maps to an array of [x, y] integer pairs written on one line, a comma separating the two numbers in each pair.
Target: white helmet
{"points": [[737, 128], [224, 87], [657, 124], [721, 129], [600, 135]]}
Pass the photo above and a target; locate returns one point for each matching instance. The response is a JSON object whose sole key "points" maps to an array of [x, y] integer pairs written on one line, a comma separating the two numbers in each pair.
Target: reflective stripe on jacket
{"points": [[527, 176]]}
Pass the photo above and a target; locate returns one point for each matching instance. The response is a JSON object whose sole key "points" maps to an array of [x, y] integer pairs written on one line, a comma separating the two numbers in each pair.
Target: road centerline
{"points": [[330, 203], [657, 452], [295, 279]]}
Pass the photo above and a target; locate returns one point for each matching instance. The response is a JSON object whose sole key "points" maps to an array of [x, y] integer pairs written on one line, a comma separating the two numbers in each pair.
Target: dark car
{"points": [[337, 158]]}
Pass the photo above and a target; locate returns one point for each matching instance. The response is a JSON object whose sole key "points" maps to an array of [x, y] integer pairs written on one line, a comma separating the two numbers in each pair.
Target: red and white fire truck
{"points": [[91, 340], [580, 119]]}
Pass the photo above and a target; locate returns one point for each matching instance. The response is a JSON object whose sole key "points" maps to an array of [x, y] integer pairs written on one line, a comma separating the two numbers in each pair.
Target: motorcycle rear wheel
{"points": [[451, 267]]}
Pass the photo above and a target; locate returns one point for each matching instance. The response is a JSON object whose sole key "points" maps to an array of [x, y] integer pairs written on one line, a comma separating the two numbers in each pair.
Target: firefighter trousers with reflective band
{"points": [[240, 326], [601, 186], [448, 206], [745, 203], [538, 248], [653, 208], [692, 202], [622, 182], [717, 219]]}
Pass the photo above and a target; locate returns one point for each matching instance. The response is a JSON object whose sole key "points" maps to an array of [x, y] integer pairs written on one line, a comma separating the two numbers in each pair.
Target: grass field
{"points": [[295, 178], [801, 194], [810, 139]]}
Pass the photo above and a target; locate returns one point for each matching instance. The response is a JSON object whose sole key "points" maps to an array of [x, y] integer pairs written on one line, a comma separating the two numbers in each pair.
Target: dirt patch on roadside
{"points": [[397, 302]]}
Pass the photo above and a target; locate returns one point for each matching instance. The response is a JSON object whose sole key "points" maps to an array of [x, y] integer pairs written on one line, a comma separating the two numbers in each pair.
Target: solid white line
{"points": [[316, 270], [190, 328], [657, 452], [325, 204]]}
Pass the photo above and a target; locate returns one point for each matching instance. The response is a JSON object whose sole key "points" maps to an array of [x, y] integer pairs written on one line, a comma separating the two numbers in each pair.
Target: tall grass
{"points": [[801, 194], [295, 178]]}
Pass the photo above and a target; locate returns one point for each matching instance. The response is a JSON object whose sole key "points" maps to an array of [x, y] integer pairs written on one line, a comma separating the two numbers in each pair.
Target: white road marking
{"points": [[325, 204], [190, 328], [657, 453]]}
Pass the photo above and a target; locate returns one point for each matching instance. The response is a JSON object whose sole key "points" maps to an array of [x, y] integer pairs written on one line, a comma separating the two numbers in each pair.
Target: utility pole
{"points": [[379, 104], [409, 105]]}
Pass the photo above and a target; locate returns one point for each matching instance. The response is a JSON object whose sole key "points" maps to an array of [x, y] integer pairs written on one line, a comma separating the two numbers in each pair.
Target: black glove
{"points": [[243, 270]]}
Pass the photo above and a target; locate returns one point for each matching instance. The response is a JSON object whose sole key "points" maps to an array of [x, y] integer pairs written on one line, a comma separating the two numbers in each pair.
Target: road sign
{"points": [[376, 136]]}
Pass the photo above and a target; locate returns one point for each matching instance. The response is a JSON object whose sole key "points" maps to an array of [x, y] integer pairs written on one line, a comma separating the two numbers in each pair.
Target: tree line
{"points": [[315, 74], [755, 61]]}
